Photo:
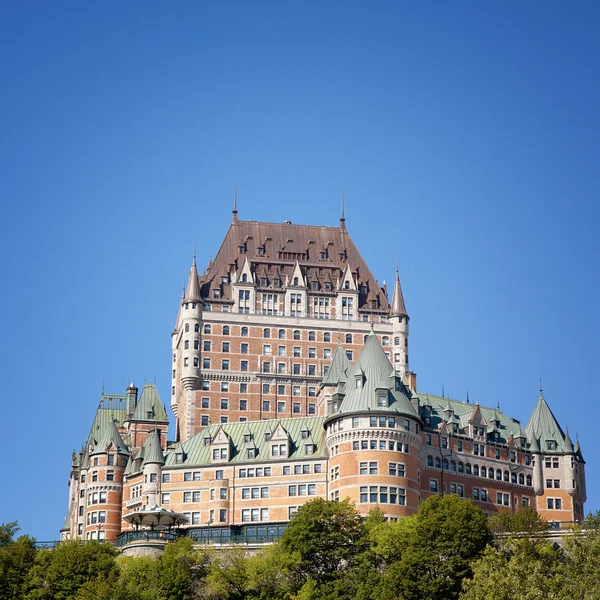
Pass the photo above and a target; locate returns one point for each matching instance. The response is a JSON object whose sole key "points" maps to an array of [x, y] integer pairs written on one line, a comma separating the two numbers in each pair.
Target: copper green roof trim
{"points": [[153, 453], [110, 407], [369, 379], [197, 453], [544, 426], [150, 407], [110, 436], [339, 368]]}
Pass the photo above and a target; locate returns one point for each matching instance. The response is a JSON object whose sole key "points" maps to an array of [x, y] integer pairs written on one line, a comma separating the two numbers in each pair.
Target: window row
{"points": [[380, 445], [303, 469], [382, 494], [490, 473], [97, 497], [303, 489], [255, 514], [96, 517]]}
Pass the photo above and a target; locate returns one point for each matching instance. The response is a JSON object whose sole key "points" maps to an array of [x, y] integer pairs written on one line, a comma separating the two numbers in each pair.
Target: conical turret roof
{"points": [[398, 309], [110, 436], [153, 453], [369, 378], [339, 368], [192, 293], [543, 426]]}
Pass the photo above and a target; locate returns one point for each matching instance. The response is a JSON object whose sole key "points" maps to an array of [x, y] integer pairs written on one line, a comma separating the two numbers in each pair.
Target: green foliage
{"points": [[322, 540], [16, 560], [526, 520], [7, 532]]}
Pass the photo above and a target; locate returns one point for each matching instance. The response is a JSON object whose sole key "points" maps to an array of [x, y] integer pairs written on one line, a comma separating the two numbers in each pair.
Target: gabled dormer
{"points": [[297, 279], [250, 449], [279, 442], [306, 442], [220, 447], [477, 424], [246, 275], [347, 282]]}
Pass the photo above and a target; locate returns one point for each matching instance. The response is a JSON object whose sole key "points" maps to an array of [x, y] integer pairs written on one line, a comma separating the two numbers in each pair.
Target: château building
{"points": [[291, 380]]}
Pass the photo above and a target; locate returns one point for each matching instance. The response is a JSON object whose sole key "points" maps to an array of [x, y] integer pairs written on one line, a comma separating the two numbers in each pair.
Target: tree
{"points": [[181, 569], [522, 569], [323, 540], [430, 554], [7, 532], [526, 520], [16, 559]]}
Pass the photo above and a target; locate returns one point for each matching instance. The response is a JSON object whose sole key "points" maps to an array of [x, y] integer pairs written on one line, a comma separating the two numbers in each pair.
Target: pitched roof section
{"points": [[375, 372], [110, 408], [197, 453], [110, 437], [398, 308], [465, 414], [543, 426], [150, 407], [323, 253], [338, 369]]}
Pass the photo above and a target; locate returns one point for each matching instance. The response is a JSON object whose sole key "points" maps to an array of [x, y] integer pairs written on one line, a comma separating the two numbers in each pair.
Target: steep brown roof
{"points": [[398, 308], [274, 248]]}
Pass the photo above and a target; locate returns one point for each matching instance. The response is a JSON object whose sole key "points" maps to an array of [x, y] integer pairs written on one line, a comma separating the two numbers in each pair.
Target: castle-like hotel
{"points": [[291, 380]]}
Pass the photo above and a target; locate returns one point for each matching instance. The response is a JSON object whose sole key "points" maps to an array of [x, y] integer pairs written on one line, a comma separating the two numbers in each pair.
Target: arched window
{"points": [[244, 278], [498, 474], [296, 335], [483, 472], [244, 332], [476, 470], [490, 473], [430, 461], [396, 341], [225, 329], [327, 337], [295, 281], [311, 336], [461, 467], [528, 479], [453, 465], [207, 328], [187, 326], [468, 468], [196, 327], [506, 476], [385, 340], [438, 464], [266, 332], [348, 338], [281, 334], [521, 479], [445, 464], [513, 478]]}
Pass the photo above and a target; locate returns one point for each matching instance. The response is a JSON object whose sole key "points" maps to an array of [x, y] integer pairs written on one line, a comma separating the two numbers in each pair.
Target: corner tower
{"points": [[373, 438], [399, 320]]}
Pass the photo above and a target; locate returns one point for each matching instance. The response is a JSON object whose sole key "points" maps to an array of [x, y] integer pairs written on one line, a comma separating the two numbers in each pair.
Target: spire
{"points": [[193, 290], [343, 217], [398, 308], [568, 442], [468, 402], [234, 213]]}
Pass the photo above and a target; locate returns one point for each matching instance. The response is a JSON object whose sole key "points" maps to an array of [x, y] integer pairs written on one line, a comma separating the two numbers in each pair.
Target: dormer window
{"points": [[309, 448], [315, 285], [305, 433], [550, 444], [263, 281], [224, 280], [324, 255], [328, 286], [382, 400], [179, 458], [247, 437], [216, 294], [277, 282], [295, 281], [454, 428], [243, 249], [244, 278], [267, 436], [261, 250], [251, 452], [347, 285]]}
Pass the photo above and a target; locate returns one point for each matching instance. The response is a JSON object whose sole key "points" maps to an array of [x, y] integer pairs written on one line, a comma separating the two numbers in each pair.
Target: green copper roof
{"points": [[544, 427], [372, 375], [110, 436], [339, 368], [153, 453], [197, 453], [149, 406], [463, 413], [109, 409]]}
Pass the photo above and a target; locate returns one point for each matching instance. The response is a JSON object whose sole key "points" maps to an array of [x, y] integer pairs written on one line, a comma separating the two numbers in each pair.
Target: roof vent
{"points": [[288, 222]]}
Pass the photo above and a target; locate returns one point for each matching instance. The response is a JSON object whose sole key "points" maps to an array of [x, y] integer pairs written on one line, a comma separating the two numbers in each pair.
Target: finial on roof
{"points": [[235, 211], [103, 385], [498, 405], [343, 216], [468, 402], [541, 387], [443, 391], [194, 261]]}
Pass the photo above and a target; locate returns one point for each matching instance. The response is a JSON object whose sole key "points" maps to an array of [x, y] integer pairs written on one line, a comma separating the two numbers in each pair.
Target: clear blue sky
{"points": [[466, 136]]}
